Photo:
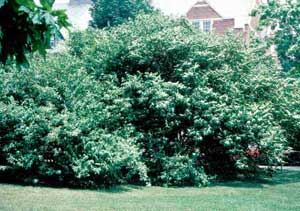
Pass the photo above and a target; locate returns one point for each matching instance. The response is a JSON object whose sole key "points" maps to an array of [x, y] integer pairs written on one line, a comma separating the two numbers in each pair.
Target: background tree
{"points": [[114, 12], [28, 27], [284, 19]]}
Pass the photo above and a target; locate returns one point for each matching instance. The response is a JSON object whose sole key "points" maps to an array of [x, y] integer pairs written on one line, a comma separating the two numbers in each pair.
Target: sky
{"points": [[180, 7], [61, 1], [177, 6], [238, 9], [227, 8]]}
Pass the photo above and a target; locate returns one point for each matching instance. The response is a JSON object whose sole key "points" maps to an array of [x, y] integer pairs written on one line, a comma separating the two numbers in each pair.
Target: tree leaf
{"points": [[47, 4], [2, 2], [26, 3]]}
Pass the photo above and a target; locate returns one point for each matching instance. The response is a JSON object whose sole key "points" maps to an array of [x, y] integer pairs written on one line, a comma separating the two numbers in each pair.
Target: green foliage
{"points": [[152, 100], [190, 94], [287, 110], [284, 18], [60, 126], [106, 13], [26, 27], [183, 170]]}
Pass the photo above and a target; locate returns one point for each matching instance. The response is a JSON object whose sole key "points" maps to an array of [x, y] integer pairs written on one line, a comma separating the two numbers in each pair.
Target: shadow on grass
{"points": [[279, 178], [112, 190], [121, 189], [10, 177]]}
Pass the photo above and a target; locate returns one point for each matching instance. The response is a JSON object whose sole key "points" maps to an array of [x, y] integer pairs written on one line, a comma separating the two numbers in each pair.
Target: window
{"points": [[206, 26], [196, 23]]}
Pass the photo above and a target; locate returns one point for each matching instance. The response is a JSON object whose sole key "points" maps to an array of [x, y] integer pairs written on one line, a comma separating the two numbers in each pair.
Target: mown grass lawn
{"points": [[282, 192]]}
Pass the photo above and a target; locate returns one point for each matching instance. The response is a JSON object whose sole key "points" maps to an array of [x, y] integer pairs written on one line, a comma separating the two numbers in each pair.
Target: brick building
{"points": [[224, 16]]}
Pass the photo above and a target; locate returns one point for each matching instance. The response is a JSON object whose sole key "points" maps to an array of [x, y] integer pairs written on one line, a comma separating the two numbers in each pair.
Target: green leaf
{"points": [[26, 3], [36, 19], [62, 18], [2, 2], [25, 17], [24, 9], [47, 4]]}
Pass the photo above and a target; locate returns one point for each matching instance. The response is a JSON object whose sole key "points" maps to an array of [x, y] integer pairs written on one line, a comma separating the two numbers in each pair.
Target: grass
{"points": [[282, 192]]}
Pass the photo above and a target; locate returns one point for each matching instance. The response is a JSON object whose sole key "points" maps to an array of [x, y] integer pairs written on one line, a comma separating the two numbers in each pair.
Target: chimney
{"points": [[247, 33]]}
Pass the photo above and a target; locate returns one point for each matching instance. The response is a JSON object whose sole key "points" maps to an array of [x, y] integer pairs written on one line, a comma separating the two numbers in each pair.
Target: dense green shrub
{"points": [[152, 100], [285, 39], [207, 93], [60, 126], [287, 109], [139, 46]]}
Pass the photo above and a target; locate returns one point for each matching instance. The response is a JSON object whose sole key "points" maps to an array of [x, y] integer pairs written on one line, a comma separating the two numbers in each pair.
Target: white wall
{"points": [[79, 15]]}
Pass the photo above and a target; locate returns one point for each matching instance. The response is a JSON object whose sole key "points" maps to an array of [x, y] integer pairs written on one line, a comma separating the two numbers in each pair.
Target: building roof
{"points": [[202, 10], [200, 3]]}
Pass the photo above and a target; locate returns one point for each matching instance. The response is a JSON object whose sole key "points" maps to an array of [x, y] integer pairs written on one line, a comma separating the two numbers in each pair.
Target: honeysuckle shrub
{"points": [[152, 101], [60, 126], [233, 83], [287, 109]]}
